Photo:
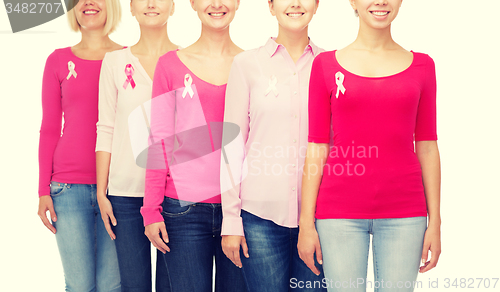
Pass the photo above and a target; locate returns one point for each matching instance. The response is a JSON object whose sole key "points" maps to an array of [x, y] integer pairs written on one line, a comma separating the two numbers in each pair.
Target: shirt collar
{"points": [[272, 47]]}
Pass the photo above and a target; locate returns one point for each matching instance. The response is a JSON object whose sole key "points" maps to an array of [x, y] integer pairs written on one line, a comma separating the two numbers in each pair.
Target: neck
{"points": [[94, 40], [214, 42], [294, 42], [153, 41], [374, 39]]}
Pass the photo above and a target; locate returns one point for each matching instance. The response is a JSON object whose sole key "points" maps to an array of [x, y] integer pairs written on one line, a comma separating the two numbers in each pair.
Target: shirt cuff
{"points": [[318, 140], [151, 215], [232, 226]]}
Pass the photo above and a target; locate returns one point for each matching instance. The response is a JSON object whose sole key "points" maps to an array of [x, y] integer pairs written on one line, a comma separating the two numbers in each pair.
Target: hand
{"points": [[107, 214], [231, 247], [153, 232], [45, 204], [307, 245], [432, 242]]}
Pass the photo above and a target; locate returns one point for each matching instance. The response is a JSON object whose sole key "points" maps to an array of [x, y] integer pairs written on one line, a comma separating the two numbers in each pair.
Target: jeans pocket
{"points": [[57, 189], [173, 208]]}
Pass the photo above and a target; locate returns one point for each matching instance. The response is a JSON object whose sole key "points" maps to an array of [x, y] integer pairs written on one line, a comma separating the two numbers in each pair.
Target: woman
{"points": [[380, 100], [186, 111], [267, 97], [125, 84], [67, 182]]}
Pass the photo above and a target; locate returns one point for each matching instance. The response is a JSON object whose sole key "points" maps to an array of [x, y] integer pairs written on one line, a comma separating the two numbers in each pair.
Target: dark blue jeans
{"points": [[134, 249], [274, 264], [194, 241]]}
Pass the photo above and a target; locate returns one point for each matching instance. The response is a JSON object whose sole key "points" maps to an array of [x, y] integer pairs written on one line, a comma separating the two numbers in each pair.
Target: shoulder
{"points": [[57, 54], [422, 59], [324, 59], [116, 58], [168, 59]]}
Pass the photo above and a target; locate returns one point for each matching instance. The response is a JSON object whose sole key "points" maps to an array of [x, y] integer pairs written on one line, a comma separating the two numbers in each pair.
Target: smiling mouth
{"points": [[217, 14], [152, 14], [379, 13], [295, 14], [90, 12]]}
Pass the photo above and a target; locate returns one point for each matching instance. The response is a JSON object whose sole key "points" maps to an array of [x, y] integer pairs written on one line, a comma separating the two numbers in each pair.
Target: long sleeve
{"points": [[161, 132], [50, 130], [236, 113], [108, 94], [425, 128], [319, 104]]}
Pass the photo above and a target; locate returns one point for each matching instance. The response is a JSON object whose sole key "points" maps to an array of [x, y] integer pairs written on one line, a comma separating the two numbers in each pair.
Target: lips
{"points": [[295, 14], [379, 13], [217, 14], [90, 12], [151, 13]]}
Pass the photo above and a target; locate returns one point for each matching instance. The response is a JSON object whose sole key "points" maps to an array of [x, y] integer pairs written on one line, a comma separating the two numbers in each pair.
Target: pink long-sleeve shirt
{"points": [[186, 133], [69, 92], [372, 171], [267, 96]]}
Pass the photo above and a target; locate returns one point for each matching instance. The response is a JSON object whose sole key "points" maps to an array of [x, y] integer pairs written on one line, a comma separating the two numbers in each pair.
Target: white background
{"points": [[461, 36]]}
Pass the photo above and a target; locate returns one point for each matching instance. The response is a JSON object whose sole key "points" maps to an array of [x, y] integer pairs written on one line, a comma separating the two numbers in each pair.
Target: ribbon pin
{"points": [[188, 81], [71, 68], [129, 71], [339, 79], [272, 86]]}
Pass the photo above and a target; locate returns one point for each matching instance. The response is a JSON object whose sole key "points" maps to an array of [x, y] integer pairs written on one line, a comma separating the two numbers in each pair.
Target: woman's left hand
{"points": [[432, 243]]}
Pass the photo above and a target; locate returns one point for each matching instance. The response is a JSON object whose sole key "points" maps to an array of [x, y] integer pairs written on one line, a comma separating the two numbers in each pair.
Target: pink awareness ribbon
{"points": [[129, 71]]}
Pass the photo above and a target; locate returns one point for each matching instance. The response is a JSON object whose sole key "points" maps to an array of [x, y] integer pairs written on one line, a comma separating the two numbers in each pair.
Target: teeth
{"points": [[89, 12], [217, 14], [294, 14], [380, 13]]}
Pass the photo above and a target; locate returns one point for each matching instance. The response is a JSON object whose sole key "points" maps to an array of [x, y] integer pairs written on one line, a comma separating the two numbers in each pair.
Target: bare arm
{"points": [[308, 243], [428, 155]]}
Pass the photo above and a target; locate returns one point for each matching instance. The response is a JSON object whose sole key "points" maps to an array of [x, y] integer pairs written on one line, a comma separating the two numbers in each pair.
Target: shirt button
{"points": [[295, 92], [293, 189], [294, 141], [293, 165], [294, 73], [294, 116]]}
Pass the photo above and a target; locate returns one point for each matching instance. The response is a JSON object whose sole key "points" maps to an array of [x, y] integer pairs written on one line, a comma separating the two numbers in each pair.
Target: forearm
{"points": [[103, 160], [428, 155], [311, 179]]}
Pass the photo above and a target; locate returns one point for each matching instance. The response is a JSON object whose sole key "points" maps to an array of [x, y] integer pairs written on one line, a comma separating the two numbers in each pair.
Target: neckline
{"points": [[376, 77], [138, 65], [85, 60], [194, 75]]}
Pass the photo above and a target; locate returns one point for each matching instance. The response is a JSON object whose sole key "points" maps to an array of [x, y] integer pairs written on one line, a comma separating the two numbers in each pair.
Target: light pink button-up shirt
{"points": [[261, 172]]}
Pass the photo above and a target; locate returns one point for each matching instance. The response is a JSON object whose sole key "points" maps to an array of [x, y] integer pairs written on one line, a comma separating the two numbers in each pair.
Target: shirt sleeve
{"points": [[234, 137], [319, 104], [162, 110], [108, 97], [50, 130], [425, 127]]}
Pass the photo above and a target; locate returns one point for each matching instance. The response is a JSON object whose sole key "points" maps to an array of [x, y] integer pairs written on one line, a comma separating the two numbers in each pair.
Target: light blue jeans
{"points": [[87, 252], [397, 250]]}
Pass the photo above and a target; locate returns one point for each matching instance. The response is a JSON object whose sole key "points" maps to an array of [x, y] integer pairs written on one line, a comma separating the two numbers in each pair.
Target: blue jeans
{"points": [[134, 248], [194, 241], [87, 253], [274, 264], [397, 249]]}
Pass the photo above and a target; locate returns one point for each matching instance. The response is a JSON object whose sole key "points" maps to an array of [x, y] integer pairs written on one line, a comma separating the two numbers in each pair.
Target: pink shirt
{"points": [[70, 88], [186, 133], [266, 97], [372, 171]]}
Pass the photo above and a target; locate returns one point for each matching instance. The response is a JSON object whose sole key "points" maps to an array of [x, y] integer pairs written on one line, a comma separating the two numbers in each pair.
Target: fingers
{"points": [[319, 254], [106, 218], [45, 205], [432, 263], [309, 261], [244, 247], [164, 238], [46, 222]]}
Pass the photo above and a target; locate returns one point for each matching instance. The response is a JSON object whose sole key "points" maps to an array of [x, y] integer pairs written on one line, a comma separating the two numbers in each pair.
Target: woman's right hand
{"points": [[231, 248], [153, 232], [45, 204], [107, 214], [308, 244]]}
